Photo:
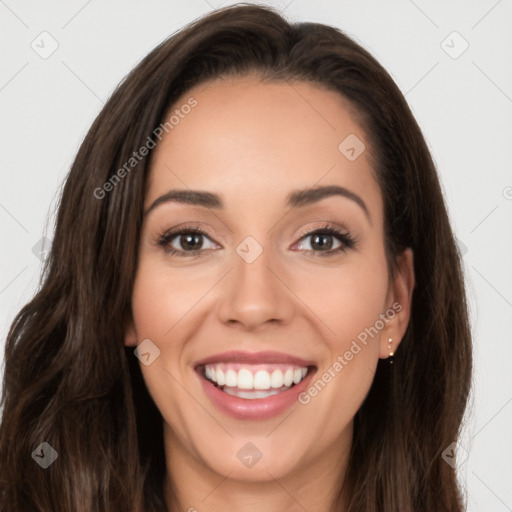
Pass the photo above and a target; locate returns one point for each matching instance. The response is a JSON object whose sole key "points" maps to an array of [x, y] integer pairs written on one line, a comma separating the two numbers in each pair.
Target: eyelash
{"points": [[347, 241]]}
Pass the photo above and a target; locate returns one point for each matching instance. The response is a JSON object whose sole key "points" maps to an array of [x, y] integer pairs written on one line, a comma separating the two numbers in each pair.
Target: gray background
{"points": [[462, 102]]}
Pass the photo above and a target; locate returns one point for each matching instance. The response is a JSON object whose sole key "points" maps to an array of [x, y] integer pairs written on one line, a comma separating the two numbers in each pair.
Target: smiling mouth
{"points": [[254, 381]]}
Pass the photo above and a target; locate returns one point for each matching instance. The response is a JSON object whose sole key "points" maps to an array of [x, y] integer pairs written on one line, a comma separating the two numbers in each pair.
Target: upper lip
{"points": [[268, 357]]}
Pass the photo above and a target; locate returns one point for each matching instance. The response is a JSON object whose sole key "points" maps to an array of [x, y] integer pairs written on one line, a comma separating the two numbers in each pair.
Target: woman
{"points": [[254, 299]]}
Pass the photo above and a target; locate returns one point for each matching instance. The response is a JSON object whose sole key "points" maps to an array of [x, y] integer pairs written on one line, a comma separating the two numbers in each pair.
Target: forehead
{"points": [[252, 141]]}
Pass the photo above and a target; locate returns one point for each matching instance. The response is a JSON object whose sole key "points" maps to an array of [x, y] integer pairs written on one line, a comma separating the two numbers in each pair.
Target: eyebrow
{"points": [[296, 199]]}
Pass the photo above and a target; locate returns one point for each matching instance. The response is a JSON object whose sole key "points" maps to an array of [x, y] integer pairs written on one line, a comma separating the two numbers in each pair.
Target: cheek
{"points": [[160, 303], [350, 302], [168, 305], [347, 299], [342, 383], [163, 297], [363, 298]]}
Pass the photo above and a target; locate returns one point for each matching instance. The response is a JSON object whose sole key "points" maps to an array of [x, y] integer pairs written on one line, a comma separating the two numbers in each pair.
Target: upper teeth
{"points": [[250, 377]]}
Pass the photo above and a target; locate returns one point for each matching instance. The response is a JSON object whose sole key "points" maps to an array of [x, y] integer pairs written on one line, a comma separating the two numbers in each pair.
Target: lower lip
{"points": [[258, 408]]}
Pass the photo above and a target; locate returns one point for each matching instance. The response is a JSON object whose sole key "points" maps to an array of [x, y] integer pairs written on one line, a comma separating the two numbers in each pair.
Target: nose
{"points": [[256, 293]]}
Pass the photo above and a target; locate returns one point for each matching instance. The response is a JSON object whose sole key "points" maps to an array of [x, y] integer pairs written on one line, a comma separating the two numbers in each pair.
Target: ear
{"points": [[399, 301], [130, 334]]}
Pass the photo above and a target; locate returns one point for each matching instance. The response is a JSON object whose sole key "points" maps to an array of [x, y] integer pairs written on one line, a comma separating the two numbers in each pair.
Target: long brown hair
{"points": [[70, 381]]}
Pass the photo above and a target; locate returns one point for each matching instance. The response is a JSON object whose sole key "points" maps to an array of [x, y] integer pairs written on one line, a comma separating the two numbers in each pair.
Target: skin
{"points": [[253, 143]]}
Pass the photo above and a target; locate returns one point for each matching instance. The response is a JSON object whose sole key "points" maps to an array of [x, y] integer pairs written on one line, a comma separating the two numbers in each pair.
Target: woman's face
{"points": [[289, 324]]}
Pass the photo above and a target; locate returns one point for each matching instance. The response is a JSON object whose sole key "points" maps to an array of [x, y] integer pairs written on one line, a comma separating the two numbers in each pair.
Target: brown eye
{"points": [[190, 242], [321, 241], [185, 240], [326, 241]]}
